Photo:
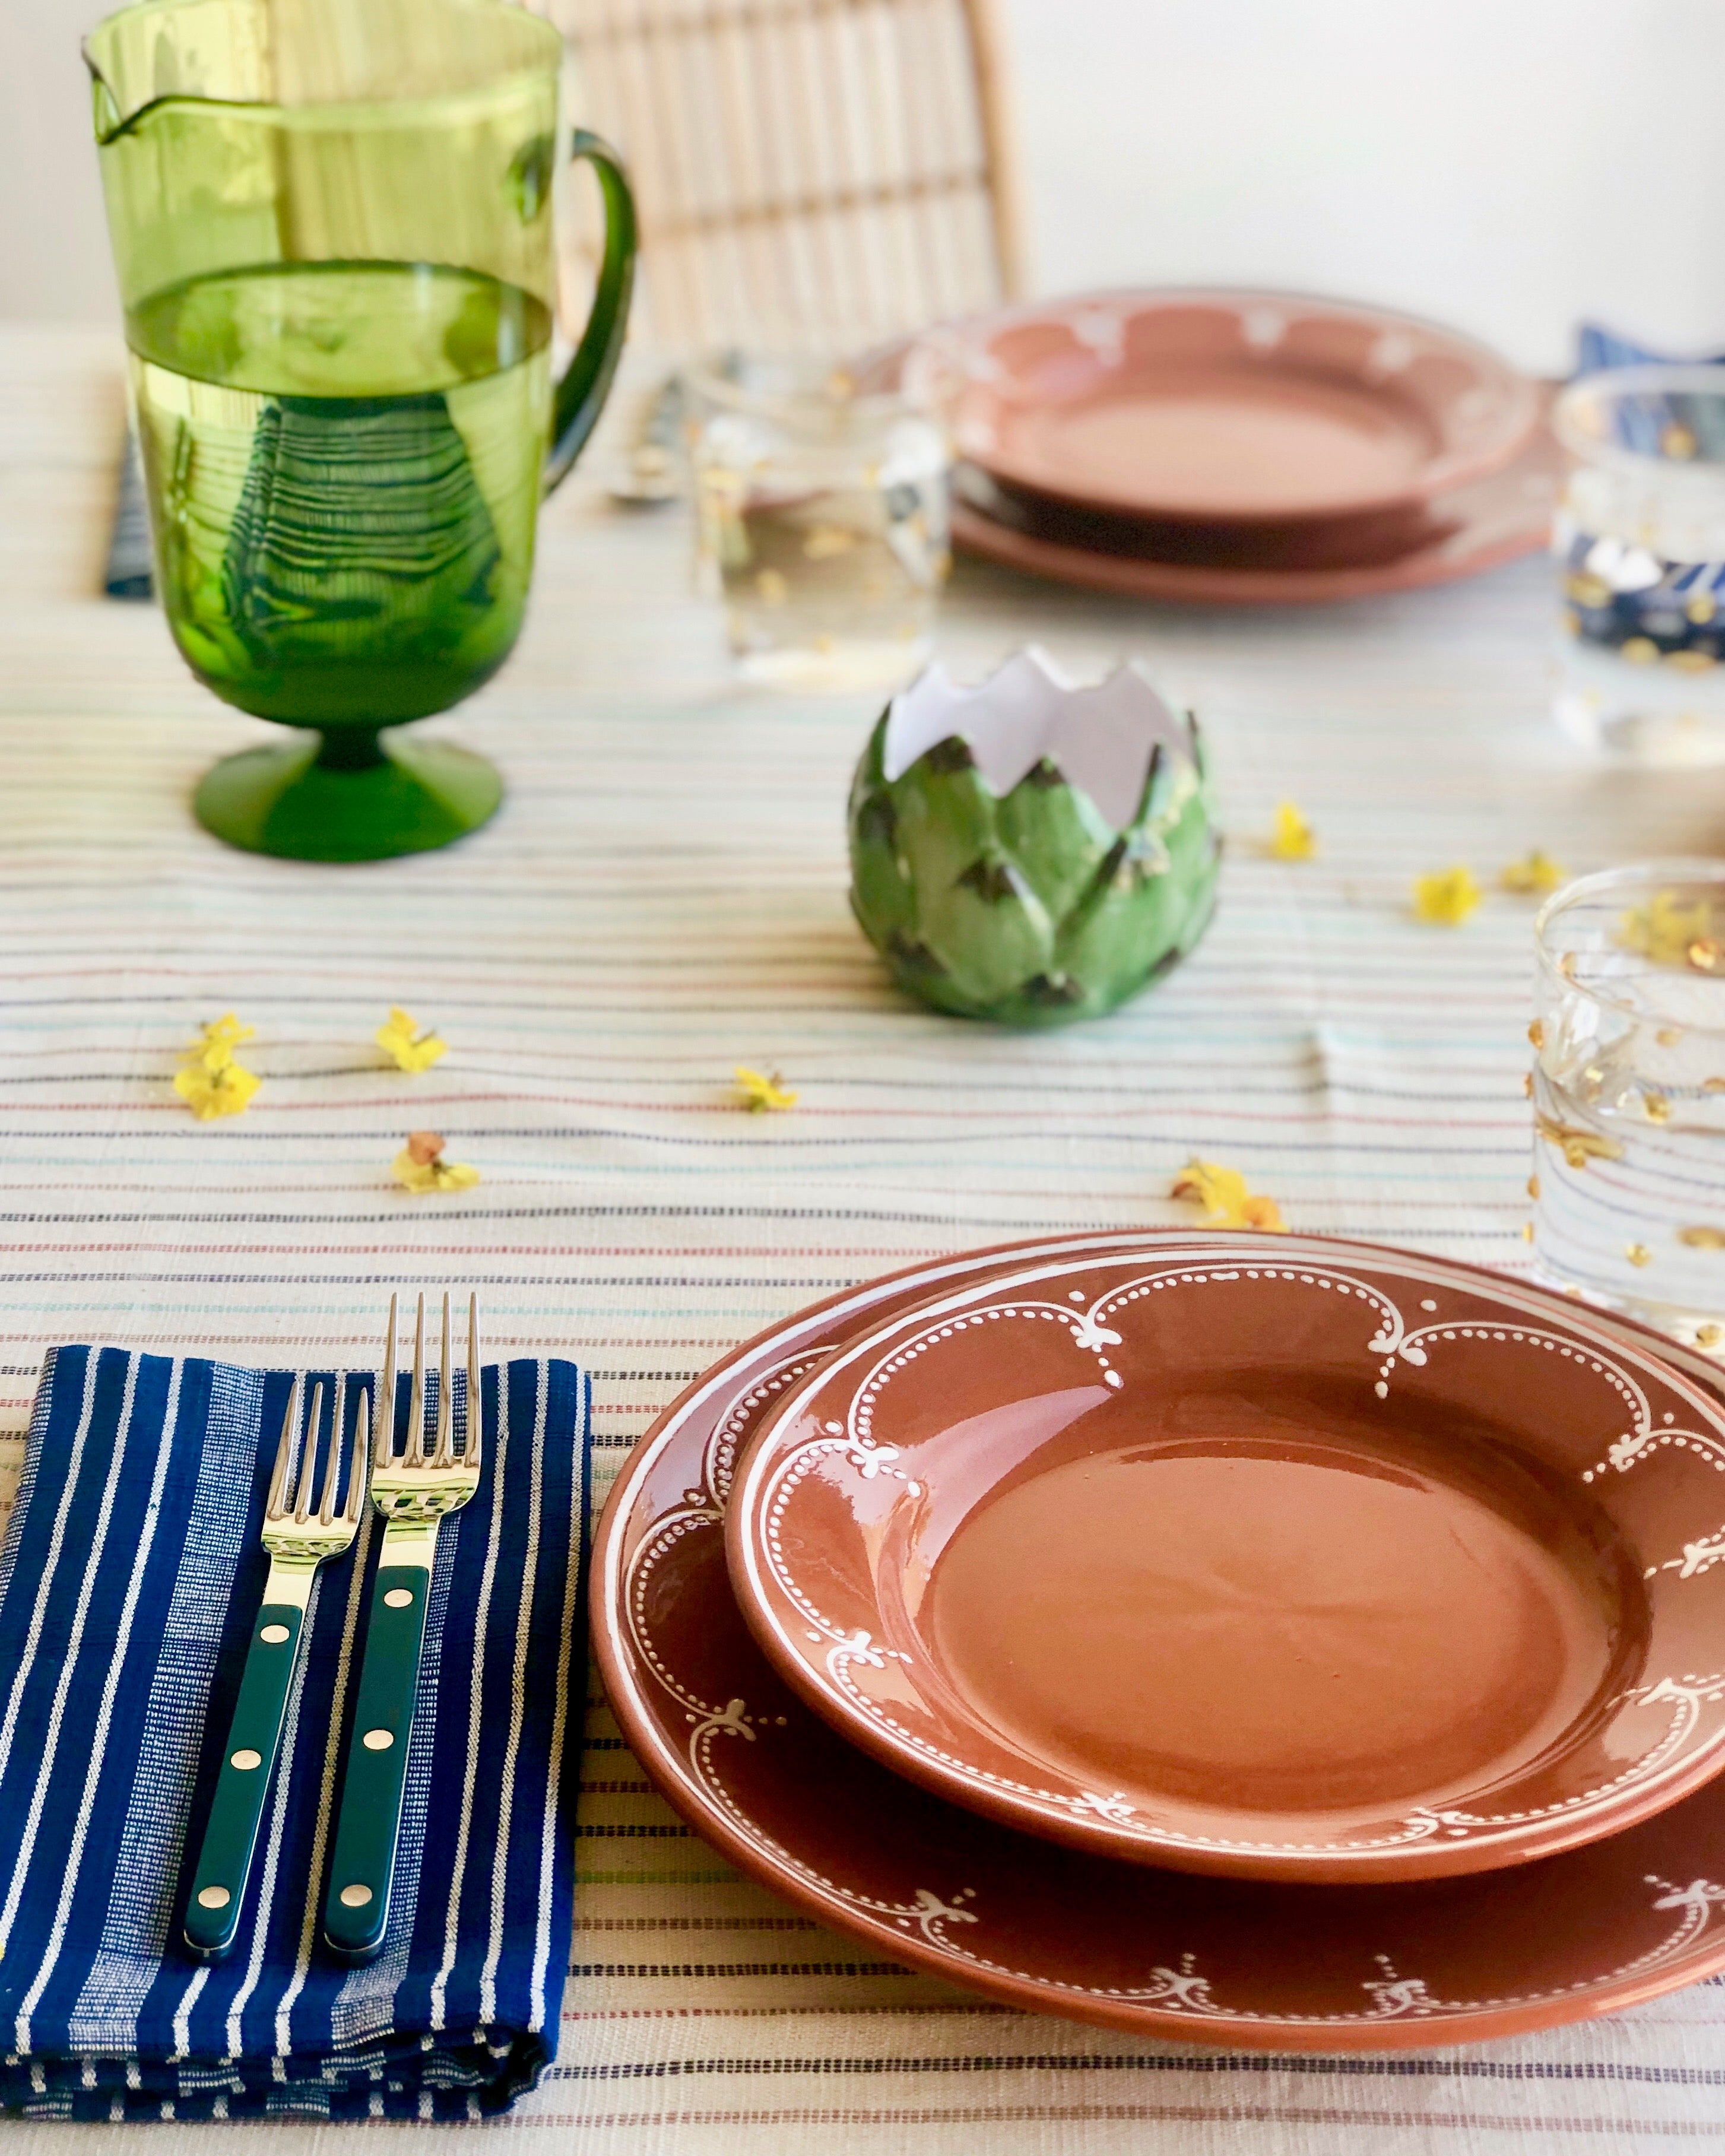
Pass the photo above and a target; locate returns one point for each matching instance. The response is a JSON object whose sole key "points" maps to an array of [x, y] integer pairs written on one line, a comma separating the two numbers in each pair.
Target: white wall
{"points": [[52, 247], [1506, 164]]}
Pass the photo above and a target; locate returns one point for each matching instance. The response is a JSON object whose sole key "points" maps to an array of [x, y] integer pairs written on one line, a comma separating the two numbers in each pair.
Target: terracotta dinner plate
{"points": [[1158, 1954], [1240, 1564], [1227, 406], [1459, 533]]}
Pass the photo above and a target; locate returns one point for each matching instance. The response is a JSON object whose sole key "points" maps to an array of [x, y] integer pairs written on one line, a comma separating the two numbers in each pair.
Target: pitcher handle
{"points": [[587, 382]]}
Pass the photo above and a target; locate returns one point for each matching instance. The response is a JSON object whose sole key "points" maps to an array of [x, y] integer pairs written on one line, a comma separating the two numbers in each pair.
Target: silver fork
{"points": [[299, 1534], [414, 1490]]}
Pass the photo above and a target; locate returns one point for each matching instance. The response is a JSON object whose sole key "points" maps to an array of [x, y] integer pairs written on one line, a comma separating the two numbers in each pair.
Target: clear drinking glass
{"points": [[1629, 1094], [822, 521], [1639, 543]]}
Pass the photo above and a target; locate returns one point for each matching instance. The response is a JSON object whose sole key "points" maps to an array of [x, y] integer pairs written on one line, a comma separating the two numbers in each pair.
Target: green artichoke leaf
{"points": [[1140, 911], [1056, 834], [987, 928], [880, 893], [1127, 923], [1195, 848], [943, 818], [1167, 781], [1195, 854], [917, 970], [871, 767]]}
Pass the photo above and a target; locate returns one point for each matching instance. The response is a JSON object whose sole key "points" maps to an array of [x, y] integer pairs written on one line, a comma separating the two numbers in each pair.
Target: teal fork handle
{"points": [[231, 1835], [356, 1909]]}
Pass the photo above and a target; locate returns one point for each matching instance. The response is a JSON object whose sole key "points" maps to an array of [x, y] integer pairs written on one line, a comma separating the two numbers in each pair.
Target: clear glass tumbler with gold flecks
{"points": [[822, 509], [1629, 1094], [1640, 541]]}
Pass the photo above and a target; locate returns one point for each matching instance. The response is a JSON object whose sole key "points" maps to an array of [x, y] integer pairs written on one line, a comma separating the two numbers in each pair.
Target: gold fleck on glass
{"points": [[1640, 541], [823, 522], [1629, 1094]]}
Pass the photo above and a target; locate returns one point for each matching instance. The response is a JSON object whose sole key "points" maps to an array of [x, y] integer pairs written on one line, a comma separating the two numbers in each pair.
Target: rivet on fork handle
{"points": [[299, 1535]]}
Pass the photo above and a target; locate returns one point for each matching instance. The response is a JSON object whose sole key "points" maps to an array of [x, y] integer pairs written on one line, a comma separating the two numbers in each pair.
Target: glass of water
{"points": [[822, 521], [1629, 1095], [1639, 543]]}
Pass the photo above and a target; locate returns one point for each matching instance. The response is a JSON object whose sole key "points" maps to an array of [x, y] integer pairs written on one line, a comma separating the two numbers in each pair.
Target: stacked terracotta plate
{"points": [[1285, 1641], [1244, 447]]}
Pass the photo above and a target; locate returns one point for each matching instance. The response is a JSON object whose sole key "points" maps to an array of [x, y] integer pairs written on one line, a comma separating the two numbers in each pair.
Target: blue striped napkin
{"points": [[129, 1581], [1597, 347], [131, 572]]}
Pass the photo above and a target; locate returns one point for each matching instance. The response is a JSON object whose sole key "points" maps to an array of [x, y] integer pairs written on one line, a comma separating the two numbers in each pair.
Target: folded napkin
{"points": [[129, 1583], [129, 574]]}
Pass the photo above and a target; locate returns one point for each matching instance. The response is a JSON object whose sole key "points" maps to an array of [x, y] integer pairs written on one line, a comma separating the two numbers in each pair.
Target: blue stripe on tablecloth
{"points": [[131, 1576]]}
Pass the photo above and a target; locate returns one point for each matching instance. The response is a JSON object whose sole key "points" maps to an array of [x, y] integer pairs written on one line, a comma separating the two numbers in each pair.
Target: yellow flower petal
{"points": [[761, 1093], [1534, 874], [209, 1093], [1222, 1193], [209, 1081], [1294, 839], [401, 1039], [224, 1032], [1446, 898], [1672, 931], [420, 1166]]}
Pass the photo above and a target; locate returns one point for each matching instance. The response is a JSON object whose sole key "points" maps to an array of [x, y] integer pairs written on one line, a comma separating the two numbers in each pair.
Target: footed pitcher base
{"points": [[298, 801]]}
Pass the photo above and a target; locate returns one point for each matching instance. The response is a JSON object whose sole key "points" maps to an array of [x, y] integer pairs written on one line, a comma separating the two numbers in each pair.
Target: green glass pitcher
{"points": [[332, 222]]}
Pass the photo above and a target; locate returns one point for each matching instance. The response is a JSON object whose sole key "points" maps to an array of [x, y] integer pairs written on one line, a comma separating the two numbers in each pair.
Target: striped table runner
{"points": [[662, 899]]}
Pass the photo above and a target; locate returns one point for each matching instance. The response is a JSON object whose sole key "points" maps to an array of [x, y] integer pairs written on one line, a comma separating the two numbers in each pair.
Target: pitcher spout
{"points": [[104, 106], [192, 52]]}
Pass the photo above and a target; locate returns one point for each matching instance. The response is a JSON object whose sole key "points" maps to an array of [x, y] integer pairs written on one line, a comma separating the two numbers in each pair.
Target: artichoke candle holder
{"points": [[1030, 851]]}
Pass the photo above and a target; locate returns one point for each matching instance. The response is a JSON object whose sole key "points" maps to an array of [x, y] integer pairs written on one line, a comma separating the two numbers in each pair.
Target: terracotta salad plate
{"points": [[1273, 1567], [1226, 407], [1041, 1926], [1462, 532]]}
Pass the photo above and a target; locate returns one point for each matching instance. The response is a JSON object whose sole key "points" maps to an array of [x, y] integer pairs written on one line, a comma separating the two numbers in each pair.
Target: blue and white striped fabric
{"points": [[1597, 348], [1642, 421], [128, 1585]]}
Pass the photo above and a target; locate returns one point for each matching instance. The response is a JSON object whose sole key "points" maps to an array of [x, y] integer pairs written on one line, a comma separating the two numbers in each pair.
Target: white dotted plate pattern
{"points": [[843, 1403], [687, 1740]]}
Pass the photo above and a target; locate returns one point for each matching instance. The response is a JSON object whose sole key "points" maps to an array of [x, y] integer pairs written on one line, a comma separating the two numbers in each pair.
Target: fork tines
{"points": [[442, 1451], [295, 1502]]}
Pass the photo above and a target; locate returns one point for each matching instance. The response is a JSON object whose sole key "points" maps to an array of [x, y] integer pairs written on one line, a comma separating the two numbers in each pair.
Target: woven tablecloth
{"points": [[661, 899]]}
